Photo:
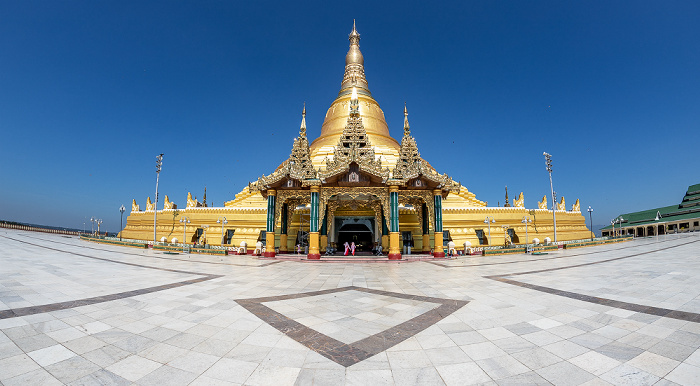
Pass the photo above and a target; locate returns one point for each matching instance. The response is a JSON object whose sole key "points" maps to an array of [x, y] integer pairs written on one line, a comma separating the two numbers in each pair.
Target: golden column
{"points": [[394, 248], [270, 232], [438, 252], [314, 252]]}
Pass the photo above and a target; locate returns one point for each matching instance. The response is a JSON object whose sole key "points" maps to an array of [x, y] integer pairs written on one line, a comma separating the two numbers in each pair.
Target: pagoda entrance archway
{"points": [[358, 230], [362, 206]]}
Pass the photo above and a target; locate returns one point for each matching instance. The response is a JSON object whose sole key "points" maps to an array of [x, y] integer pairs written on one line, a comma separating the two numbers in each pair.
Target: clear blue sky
{"points": [[92, 91]]}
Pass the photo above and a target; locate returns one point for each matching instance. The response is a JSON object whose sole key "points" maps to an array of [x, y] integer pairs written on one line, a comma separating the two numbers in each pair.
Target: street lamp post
{"points": [[619, 228], [99, 222], [184, 221], [548, 162], [489, 220], [159, 163], [121, 222], [526, 220], [590, 216], [222, 221], [92, 226]]}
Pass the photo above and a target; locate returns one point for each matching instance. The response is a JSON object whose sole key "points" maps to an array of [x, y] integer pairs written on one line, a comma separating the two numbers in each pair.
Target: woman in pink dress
{"points": [[352, 248]]}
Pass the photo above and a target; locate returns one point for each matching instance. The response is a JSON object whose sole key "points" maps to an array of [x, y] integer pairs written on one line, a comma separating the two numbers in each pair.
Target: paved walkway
{"points": [[80, 313]]}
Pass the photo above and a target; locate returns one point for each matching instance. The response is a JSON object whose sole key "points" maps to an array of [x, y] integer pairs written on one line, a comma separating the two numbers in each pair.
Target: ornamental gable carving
{"points": [[354, 146]]}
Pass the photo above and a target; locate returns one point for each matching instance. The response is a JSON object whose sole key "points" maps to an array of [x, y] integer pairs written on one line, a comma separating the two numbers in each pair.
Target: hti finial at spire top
{"points": [[354, 35]]}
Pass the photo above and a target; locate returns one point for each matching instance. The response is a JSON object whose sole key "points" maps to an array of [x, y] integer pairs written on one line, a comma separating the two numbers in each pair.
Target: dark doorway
{"points": [[661, 230], [513, 236], [197, 234], [358, 233]]}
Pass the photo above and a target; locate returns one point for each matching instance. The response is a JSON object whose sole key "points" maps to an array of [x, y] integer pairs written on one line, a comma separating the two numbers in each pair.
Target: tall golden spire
{"points": [[302, 129], [354, 66], [406, 126]]}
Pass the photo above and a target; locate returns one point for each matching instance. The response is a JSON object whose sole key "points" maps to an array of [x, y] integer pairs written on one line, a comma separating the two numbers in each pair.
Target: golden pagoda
{"points": [[356, 184]]}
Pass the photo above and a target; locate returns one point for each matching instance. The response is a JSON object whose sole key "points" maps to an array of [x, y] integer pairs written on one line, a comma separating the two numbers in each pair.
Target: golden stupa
{"points": [[356, 184]]}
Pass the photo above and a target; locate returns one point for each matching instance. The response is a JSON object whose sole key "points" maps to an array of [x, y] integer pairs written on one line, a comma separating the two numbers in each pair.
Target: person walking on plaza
{"points": [[352, 247], [347, 248]]}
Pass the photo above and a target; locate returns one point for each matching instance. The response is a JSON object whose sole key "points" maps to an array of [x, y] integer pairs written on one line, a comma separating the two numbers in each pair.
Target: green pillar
{"points": [[271, 213], [313, 222], [394, 211]]}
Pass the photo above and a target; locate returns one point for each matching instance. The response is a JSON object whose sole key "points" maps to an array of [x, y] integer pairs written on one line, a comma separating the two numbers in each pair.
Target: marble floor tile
{"points": [[685, 374], [133, 367]]}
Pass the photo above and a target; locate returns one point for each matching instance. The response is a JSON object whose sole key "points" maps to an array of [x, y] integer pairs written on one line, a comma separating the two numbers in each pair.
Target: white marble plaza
{"points": [[80, 313]]}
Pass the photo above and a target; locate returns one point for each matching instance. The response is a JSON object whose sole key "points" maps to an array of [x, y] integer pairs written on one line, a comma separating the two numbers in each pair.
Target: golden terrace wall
{"points": [[247, 224], [247, 216], [464, 222]]}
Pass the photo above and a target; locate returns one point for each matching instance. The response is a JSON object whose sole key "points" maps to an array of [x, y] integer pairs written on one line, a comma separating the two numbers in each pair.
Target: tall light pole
{"points": [[489, 220], [222, 221], [99, 222], [619, 228], [159, 163], [548, 162], [121, 222], [184, 221], [526, 220], [92, 226], [590, 216]]}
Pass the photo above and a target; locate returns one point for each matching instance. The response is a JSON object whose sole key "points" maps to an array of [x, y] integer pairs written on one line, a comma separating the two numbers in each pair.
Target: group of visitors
{"points": [[349, 248]]}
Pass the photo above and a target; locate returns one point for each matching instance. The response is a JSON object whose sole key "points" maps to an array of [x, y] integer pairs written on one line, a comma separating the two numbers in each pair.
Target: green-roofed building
{"points": [[684, 217]]}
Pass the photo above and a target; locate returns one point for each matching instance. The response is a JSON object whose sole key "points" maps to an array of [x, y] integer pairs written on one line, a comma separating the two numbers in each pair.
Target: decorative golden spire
{"points": [[406, 126], [354, 66], [507, 205], [302, 129]]}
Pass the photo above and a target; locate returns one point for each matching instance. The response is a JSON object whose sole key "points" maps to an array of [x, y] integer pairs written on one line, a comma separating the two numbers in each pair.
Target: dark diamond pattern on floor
{"points": [[348, 354]]}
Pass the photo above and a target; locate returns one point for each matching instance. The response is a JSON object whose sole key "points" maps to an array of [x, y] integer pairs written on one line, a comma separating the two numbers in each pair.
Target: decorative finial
{"points": [[406, 126], [354, 65], [302, 128], [354, 36], [507, 204]]}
